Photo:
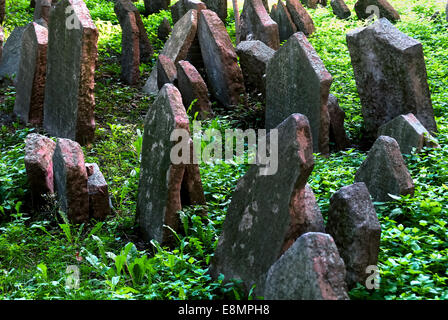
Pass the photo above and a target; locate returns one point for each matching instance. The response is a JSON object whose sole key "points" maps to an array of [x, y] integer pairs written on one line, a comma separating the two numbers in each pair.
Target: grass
{"points": [[37, 247]]}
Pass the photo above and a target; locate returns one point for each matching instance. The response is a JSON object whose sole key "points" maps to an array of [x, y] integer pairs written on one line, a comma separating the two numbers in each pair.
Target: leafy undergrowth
{"points": [[36, 248]]}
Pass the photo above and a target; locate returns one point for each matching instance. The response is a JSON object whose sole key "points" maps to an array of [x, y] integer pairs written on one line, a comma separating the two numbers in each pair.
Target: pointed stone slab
{"points": [[286, 26], [164, 30], [384, 171], [99, 202], [256, 24], [338, 135], [130, 50], [166, 71], [218, 6], [31, 78], [354, 226], [340, 9], [160, 187], [263, 210], [177, 47], [310, 270], [39, 166], [298, 82], [71, 60], [70, 180], [386, 10], [9, 65], [300, 17], [225, 78], [390, 74], [409, 133]]}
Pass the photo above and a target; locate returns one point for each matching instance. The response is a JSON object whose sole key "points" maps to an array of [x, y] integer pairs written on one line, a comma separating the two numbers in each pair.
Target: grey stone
{"points": [[386, 10], [164, 30], [310, 3], [71, 60], [181, 7], [340, 9], [9, 65], [154, 6], [99, 201], [384, 171], [354, 226], [409, 133], [254, 57], [166, 71], [297, 81], [31, 78], [218, 6], [337, 117], [263, 211], [390, 75], [42, 9], [286, 26], [310, 270], [300, 17]]}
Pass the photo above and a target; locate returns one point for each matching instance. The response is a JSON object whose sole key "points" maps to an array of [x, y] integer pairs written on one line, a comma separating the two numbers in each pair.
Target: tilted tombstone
{"points": [[256, 24], [164, 30], [354, 226], [338, 134], [224, 75], [218, 6], [286, 26], [340, 9], [181, 7], [31, 77], [297, 81], [263, 210], [42, 10], [155, 6], [384, 171], [366, 8], [9, 65], [166, 71], [311, 269], [160, 192], [300, 17], [71, 61], [390, 75], [99, 202]]}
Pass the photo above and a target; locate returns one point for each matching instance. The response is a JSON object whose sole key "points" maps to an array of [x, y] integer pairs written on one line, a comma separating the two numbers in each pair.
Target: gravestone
{"points": [[337, 118], [354, 226], [154, 6], [286, 26], [300, 17], [224, 76], [99, 202], [254, 57], [390, 75], [71, 60], [9, 65], [218, 6], [256, 24], [193, 87], [164, 30], [409, 133], [310, 3], [297, 81], [39, 166], [181, 7], [384, 171], [42, 10], [70, 180], [166, 71], [160, 192], [310, 270], [31, 78], [263, 202], [365, 8], [340, 9], [177, 46]]}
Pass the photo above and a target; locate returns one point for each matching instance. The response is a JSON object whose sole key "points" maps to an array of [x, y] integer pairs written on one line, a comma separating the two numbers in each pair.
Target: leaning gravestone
{"points": [[260, 202], [310, 270], [154, 6], [164, 30], [218, 6], [337, 119], [340, 9], [286, 26], [69, 91], [354, 226], [297, 81], [408, 132], [300, 17], [390, 74], [160, 193], [9, 65], [99, 202], [384, 171], [42, 9], [166, 71], [365, 8], [31, 78], [256, 24], [224, 75], [177, 47], [181, 7]]}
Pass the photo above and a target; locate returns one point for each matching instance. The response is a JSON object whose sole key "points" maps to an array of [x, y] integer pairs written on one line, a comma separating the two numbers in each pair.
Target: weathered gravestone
{"points": [[165, 187], [264, 209], [408, 132], [193, 87], [39, 166], [337, 118], [164, 30], [181, 7], [166, 71], [310, 3], [297, 81], [384, 171], [2, 10], [354, 226], [218, 6], [154, 6], [177, 47], [365, 8], [42, 9], [340, 9], [70, 180], [99, 202], [9, 65], [71, 59], [300, 17], [390, 75], [310, 270], [224, 75], [256, 24], [254, 57], [31, 78], [286, 26]]}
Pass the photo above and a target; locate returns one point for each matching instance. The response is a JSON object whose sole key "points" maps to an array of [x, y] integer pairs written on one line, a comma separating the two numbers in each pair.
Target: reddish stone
{"points": [[337, 118], [386, 10], [42, 10], [39, 166], [286, 26], [99, 203], [300, 17], [166, 71]]}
